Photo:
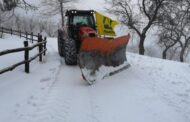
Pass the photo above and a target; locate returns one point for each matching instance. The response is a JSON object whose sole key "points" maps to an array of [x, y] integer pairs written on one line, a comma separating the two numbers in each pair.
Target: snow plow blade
{"points": [[99, 58]]}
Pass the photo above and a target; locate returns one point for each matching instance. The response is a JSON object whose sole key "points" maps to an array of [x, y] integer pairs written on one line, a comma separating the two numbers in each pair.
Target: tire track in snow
{"points": [[62, 95], [67, 96], [82, 106], [54, 105], [96, 112], [34, 101]]}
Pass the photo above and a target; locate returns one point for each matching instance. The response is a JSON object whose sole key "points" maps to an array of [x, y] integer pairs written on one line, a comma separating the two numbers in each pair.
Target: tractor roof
{"points": [[79, 12]]}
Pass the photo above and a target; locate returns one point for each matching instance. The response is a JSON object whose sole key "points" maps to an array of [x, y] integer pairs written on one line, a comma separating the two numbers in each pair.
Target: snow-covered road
{"points": [[151, 90]]}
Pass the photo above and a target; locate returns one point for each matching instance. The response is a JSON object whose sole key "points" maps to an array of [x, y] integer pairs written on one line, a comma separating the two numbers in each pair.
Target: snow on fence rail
{"points": [[41, 43]]}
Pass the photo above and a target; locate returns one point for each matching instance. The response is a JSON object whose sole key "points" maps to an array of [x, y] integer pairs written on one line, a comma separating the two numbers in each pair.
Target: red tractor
{"points": [[79, 42], [78, 24]]}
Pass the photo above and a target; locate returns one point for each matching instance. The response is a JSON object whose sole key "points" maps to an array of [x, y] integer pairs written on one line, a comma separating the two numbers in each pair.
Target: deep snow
{"points": [[151, 90]]}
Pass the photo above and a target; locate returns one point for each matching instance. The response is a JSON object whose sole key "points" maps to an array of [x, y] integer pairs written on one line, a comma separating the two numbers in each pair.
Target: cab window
{"points": [[83, 20]]}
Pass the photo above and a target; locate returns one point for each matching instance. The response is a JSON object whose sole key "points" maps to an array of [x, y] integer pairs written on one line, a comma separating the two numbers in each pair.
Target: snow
{"points": [[102, 72], [11, 42], [151, 90]]}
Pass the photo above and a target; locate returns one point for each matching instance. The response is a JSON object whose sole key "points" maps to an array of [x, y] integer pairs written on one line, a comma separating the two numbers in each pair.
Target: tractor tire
{"points": [[60, 43], [70, 52]]}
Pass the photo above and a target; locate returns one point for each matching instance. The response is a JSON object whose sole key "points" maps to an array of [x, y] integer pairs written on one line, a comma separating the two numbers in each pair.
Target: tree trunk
{"points": [[182, 54], [183, 50], [164, 53], [141, 44], [1, 35], [62, 13]]}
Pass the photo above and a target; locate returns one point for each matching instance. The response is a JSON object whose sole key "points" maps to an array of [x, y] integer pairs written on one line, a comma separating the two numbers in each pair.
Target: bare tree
{"points": [[55, 7], [7, 8], [32, 24], [175, 29], [51, 29], [4, 17], [139, 15], [18, 22], [9, 5]]}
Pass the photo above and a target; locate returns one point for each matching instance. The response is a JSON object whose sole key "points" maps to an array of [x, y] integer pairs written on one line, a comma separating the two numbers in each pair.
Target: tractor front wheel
{"points": [[70, 52]]}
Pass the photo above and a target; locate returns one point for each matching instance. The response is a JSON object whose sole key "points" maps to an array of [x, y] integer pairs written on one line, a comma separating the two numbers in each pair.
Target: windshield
{"points": [[83, 20]]}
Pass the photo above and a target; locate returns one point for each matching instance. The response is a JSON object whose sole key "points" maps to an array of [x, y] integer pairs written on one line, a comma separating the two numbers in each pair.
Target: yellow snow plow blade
{"points": [[100, 57]]}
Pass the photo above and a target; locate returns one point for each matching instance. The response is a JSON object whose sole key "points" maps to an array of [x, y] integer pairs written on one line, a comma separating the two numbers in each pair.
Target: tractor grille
{"points": [[92, 35]]}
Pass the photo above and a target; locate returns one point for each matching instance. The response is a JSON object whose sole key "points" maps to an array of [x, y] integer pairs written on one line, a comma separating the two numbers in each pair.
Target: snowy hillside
{"points": [[151, 90]]}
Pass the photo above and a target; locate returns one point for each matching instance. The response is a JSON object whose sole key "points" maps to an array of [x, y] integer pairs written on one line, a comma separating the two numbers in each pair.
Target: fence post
{"points": [[20, 34], [45, 39], [38, 35], [32, 36], [26, 57], [40, 46], [27, 36], [2, 30], [11, 31]]}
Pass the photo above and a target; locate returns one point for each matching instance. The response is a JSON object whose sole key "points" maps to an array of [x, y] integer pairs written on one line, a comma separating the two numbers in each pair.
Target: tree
{"points": [[55, 7], [175, 28], [9, 5], [7, 8], [139, 16]]}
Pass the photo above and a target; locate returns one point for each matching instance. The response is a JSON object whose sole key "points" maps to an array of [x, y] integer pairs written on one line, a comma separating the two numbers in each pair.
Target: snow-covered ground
{"points": [[11, 42], [151, 90]]}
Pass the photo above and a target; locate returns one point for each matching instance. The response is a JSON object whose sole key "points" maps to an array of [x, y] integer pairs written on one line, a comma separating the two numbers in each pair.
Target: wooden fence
{"points": [[28, 36], [41, 44]]}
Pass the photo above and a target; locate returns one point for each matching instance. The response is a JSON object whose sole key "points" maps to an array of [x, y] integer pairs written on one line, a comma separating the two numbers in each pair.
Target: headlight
{"points": [[84, 35]]}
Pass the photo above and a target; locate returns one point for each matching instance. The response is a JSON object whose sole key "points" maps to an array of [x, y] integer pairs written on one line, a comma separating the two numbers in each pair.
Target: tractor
{"points": [[80, 43], [78, 24]]}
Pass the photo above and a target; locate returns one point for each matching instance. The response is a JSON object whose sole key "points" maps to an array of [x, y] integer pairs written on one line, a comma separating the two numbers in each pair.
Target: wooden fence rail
{"points": [[41, 44], [28, 36]]}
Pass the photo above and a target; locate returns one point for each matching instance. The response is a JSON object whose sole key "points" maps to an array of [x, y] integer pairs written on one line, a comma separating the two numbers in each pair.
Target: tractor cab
{"points": [[77, 19]]}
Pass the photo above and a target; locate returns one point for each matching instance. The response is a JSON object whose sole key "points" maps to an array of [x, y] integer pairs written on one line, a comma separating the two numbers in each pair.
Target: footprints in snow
{"points": [[55, 106], [32, 101], [25, 111], [48, 79]]}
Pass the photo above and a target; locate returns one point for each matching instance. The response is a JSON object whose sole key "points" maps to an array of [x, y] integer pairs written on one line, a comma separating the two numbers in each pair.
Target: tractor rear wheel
{"points": [[60, 43], [70, 52]]}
